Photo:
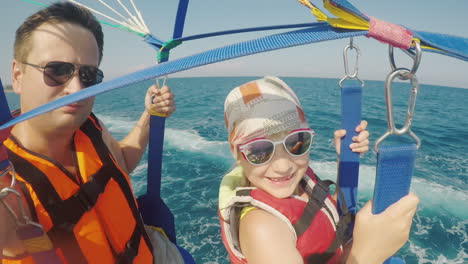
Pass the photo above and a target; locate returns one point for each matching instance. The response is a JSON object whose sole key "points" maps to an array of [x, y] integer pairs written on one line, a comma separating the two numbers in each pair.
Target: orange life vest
{"points": [[92, 218]]}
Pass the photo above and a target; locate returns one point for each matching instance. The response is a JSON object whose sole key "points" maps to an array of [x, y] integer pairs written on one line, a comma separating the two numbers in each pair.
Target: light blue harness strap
{"points": [[268, 43], [395, 166], [453, 46], [348, 172]]}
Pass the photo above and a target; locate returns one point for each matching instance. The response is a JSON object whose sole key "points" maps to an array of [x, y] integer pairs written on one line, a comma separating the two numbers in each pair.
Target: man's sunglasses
{"points": [[260, 151], [58, 73]]}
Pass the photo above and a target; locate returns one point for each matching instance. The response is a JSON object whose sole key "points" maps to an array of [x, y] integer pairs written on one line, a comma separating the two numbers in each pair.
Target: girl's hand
{"points": [[361, 141]]}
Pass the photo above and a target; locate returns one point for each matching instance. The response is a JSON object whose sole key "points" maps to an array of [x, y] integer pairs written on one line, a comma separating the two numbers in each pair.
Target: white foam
{"points": [[422, 256], [432, 195], [191, 141], [117, 124]]}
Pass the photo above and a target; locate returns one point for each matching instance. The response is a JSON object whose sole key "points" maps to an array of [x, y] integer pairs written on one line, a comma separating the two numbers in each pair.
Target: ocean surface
{"points": [[196, 156]]}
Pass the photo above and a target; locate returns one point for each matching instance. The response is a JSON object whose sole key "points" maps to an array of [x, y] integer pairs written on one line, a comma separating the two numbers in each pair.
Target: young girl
{"points": [[273, 208]]}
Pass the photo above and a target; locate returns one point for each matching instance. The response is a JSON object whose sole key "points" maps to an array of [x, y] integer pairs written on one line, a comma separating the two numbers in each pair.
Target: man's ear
{"points": [[16, 76]]}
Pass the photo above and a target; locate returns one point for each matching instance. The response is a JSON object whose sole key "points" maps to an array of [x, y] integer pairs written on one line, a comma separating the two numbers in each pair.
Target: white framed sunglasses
{"points": [[260, 150]]}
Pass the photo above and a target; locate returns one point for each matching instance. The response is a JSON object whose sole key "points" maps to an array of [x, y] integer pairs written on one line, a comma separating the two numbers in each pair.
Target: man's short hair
{"points": [[59, 12]]}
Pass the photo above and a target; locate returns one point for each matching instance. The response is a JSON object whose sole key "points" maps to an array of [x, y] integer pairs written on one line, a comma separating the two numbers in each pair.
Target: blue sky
{"points": [[125, 52]]}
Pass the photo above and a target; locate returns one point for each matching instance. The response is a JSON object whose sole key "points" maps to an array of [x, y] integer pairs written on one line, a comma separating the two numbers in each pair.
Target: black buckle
{"points": [[128, 254], [88, 194]]}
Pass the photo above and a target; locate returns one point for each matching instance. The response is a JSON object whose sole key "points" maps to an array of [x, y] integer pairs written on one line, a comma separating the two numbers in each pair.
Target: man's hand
{"points": [[160, 101]]}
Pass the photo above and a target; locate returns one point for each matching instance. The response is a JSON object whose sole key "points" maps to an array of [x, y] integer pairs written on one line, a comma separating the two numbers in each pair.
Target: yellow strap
{"points": [[152, 112], [345, 19], [159, 229], [38, 244], [245, 210], [319, 15]]}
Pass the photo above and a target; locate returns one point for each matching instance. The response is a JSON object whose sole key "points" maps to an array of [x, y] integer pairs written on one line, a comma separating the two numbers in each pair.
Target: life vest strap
{"points": [[71, 210], [93, 130], [341, 228], [131, 248], [317, 197]]}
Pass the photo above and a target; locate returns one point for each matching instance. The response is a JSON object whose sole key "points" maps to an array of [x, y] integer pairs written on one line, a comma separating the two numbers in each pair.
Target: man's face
{"points": [[55, 42]]}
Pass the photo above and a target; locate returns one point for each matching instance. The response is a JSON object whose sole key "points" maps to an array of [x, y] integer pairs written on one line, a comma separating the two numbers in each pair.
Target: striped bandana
{"points": [[259, 109]]}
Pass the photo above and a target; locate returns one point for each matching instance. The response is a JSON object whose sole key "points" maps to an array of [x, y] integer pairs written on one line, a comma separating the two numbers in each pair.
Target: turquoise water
{"points": [[196, 156]]}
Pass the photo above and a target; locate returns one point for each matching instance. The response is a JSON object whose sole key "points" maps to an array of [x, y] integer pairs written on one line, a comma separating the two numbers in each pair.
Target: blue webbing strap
{"points": [[395, 166], [245, 30], [180, 19], [348, 172], [393, 178], [153, 41], [153, 209], [448, 45], [453, 46], [268, 43]]}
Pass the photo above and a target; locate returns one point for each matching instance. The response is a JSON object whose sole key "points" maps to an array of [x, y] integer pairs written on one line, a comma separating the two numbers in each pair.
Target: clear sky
{"points": [[125, 52]]}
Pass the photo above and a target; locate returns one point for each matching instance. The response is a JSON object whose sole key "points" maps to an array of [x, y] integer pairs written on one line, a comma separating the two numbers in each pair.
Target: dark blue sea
{"points": [[196, 156]]}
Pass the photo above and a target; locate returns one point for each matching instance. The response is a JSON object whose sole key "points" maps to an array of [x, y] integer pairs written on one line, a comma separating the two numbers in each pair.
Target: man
{"points": [[73, 174]]}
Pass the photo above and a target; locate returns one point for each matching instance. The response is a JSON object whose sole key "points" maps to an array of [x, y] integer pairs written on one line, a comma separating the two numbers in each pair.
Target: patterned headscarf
{"points": [[259, 109]]}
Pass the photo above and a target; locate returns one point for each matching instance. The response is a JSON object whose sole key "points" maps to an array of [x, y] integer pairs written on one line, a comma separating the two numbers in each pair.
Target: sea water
{"points": [[196, 156]]}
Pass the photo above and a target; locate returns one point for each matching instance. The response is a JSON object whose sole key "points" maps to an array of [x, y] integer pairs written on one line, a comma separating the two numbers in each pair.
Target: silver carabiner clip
{"points": [[415, 55], [392, 129], [348, 75], [10, 169], [164, 80]]}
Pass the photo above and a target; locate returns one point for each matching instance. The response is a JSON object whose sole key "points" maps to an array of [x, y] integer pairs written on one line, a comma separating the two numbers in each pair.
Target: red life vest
{"points": [[92, 218], [317, 239]]}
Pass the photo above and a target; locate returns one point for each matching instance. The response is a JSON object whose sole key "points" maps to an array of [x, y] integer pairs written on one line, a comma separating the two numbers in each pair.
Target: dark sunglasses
{"points": [[58, 73], [260, 151]]}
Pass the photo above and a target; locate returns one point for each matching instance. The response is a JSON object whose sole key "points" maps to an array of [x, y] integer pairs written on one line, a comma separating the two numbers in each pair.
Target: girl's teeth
{"points": [[280, 179]]}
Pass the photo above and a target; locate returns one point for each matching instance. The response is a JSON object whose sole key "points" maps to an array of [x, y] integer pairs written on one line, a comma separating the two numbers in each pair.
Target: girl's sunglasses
{"points": [[260, 151], [58, 73]]}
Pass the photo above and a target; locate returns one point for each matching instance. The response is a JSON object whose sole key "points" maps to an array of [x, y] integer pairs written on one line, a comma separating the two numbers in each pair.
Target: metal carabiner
{"points": [[164, 80], [416, 56], [24, 215], [392, 129], [354, 75], [24, 219], [10, 169]]}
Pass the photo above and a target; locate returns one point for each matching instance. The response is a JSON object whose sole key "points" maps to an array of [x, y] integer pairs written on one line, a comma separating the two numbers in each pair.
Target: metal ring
{"points": [[416, 56]]}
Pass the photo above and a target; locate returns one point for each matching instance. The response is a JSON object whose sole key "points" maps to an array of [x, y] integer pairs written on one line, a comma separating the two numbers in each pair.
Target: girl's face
{"points": [[281, 175]]}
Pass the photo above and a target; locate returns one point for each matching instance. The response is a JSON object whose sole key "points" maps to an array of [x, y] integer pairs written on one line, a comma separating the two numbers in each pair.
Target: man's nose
{"points": [[74, 84]]}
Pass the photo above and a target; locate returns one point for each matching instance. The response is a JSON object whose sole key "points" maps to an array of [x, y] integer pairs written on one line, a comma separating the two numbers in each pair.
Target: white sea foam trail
{"points": [[117, 124], [432, 195], [191, 141]]}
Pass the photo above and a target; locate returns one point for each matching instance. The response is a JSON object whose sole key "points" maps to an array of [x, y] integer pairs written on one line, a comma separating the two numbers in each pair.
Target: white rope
{"points": [[143, 21], [131, 15], [140, 17], [110, 18], [106, 5]]}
